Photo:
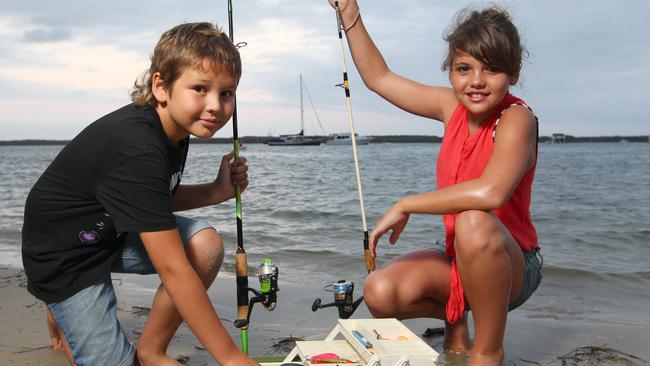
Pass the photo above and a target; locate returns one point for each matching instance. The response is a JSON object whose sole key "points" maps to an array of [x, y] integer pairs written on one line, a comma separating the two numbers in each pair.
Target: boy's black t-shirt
{"points": [[118, 175]]}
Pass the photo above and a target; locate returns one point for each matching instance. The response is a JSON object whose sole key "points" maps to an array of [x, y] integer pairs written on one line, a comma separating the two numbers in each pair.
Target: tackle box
{"points": [[367, 342]]}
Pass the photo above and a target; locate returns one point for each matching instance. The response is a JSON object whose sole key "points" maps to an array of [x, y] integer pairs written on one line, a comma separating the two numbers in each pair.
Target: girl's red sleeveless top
{"points": [[463, 157]]}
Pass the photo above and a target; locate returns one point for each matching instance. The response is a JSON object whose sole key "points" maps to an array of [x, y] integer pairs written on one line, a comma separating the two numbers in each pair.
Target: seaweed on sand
{"points": [[140, 310], [183, 360], [286, 344], [433, 332], [596, 355]]}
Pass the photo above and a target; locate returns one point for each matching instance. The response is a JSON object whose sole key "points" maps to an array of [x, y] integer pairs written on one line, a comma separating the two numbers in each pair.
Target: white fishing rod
{"points": [[344, 290], [370, 262]]}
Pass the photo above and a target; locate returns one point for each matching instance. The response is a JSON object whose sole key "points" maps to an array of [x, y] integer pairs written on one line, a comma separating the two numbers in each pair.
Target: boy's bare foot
{"points": [[457, 337], [146, 359], [58, 339], [53, 330]]}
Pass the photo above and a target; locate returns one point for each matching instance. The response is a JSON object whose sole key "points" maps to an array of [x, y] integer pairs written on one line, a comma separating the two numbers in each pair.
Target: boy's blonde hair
{"points": [[187, 45]]}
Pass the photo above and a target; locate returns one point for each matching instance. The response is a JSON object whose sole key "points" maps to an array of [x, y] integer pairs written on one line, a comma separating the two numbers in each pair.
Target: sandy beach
{"points": [[541, 340]]}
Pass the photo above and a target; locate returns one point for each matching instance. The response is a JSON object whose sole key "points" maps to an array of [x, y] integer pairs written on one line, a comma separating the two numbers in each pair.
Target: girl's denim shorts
{"points": [[532, 277]]}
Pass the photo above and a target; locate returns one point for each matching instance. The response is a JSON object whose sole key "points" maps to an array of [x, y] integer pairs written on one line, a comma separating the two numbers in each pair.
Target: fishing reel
{"points": [[267, 295], [343, 298]]}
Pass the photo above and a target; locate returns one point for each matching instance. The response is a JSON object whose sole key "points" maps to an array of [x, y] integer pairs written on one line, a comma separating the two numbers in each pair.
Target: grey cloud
{"points": [[587, 53], [41, 35]]}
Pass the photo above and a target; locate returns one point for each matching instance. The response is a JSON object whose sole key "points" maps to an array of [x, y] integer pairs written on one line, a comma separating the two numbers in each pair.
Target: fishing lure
{"points": [[325, 358]]}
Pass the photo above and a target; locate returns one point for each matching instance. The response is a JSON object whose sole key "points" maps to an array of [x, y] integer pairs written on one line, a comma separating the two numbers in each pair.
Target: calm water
{"points": [[591, 207]]}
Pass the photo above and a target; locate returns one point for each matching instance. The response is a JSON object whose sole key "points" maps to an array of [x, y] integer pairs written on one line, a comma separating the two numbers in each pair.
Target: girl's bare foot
{"points": [[480, 359], [457, 337]]}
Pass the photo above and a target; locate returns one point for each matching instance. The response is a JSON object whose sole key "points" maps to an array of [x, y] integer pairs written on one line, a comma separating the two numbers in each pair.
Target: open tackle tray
{"points": [[367, 342]]}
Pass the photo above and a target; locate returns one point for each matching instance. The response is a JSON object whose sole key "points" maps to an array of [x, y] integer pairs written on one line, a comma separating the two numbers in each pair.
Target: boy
{"points": [[105, 204]]}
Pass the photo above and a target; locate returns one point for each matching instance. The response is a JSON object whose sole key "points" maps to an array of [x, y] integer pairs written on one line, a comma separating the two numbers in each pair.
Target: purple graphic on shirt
{"points": [[94, 236], [89, 237]]}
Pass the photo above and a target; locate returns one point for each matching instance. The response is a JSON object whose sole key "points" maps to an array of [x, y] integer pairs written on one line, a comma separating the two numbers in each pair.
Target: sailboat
{"points": [[298, 139]]}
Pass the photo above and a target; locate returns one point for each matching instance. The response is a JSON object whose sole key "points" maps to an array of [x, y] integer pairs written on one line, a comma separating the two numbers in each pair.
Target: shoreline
{"points": [[377, 139], [537, 340]]}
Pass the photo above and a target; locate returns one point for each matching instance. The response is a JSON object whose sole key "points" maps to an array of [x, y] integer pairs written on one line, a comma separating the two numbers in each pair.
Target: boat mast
{"points": [[302, 111]]}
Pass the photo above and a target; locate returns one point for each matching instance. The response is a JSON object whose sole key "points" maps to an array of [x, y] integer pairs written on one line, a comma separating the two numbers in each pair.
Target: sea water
{"points": [[591, 208]]}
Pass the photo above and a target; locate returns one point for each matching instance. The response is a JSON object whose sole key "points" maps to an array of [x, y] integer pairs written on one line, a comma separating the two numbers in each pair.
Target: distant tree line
{"points": [[373, 139], [33, 142], [569, 138]]}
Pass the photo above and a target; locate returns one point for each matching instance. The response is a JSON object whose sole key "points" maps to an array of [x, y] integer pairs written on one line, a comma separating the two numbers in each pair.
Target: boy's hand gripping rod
{"points": [[343, 290], [268, 275]]}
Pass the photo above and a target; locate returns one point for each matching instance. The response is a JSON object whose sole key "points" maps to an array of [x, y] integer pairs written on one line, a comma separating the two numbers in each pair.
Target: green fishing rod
{"points": [[344, 290], [241, 262], [267, 271]]}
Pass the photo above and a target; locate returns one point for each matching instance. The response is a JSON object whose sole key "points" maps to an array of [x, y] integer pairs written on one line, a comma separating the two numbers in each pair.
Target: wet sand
{"points": [[540, 340]]}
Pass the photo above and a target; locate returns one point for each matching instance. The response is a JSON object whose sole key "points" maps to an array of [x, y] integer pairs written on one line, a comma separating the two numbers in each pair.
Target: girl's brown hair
{"points": [[187, 45], [487, 35]]}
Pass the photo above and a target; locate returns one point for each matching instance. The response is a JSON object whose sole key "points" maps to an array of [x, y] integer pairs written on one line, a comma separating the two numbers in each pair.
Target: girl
{"points": [[484, 173]]}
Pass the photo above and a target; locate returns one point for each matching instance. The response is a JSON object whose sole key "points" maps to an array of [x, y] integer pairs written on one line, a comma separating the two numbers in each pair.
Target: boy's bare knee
{"points": [[206, 252]]}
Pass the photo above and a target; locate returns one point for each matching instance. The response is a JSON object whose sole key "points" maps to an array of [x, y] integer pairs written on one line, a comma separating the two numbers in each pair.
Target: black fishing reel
{"points": [[343, 298], [267, 295]]}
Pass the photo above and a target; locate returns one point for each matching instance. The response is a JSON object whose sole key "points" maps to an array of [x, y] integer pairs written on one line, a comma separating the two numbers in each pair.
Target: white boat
{"points": [[293, 140], [298, 139], [345, 139]]}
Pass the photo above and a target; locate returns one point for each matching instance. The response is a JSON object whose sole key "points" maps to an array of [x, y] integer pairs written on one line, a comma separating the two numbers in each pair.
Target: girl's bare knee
{"points": [[378, 293], [468, 222], [477, 232]]}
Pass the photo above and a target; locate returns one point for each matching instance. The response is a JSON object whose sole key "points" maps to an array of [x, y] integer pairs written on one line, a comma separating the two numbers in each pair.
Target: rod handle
{"points": [[370, 261], [241, 270]]}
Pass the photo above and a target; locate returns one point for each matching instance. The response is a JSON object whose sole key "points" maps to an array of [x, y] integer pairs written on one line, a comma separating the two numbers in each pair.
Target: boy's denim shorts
{"points": [[89, 317]]}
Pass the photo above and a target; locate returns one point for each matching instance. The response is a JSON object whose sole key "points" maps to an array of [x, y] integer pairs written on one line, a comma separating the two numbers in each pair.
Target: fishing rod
{"points": [[342, 289], [241, 262], [268, 271]]}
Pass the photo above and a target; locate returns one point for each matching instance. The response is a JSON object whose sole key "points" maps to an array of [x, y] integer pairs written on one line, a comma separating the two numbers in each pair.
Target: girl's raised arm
{"points": [[422, 100]]}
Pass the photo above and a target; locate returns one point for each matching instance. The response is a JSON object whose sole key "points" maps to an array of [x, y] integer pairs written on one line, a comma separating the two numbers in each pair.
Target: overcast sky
{"points": [[64, 64]]}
